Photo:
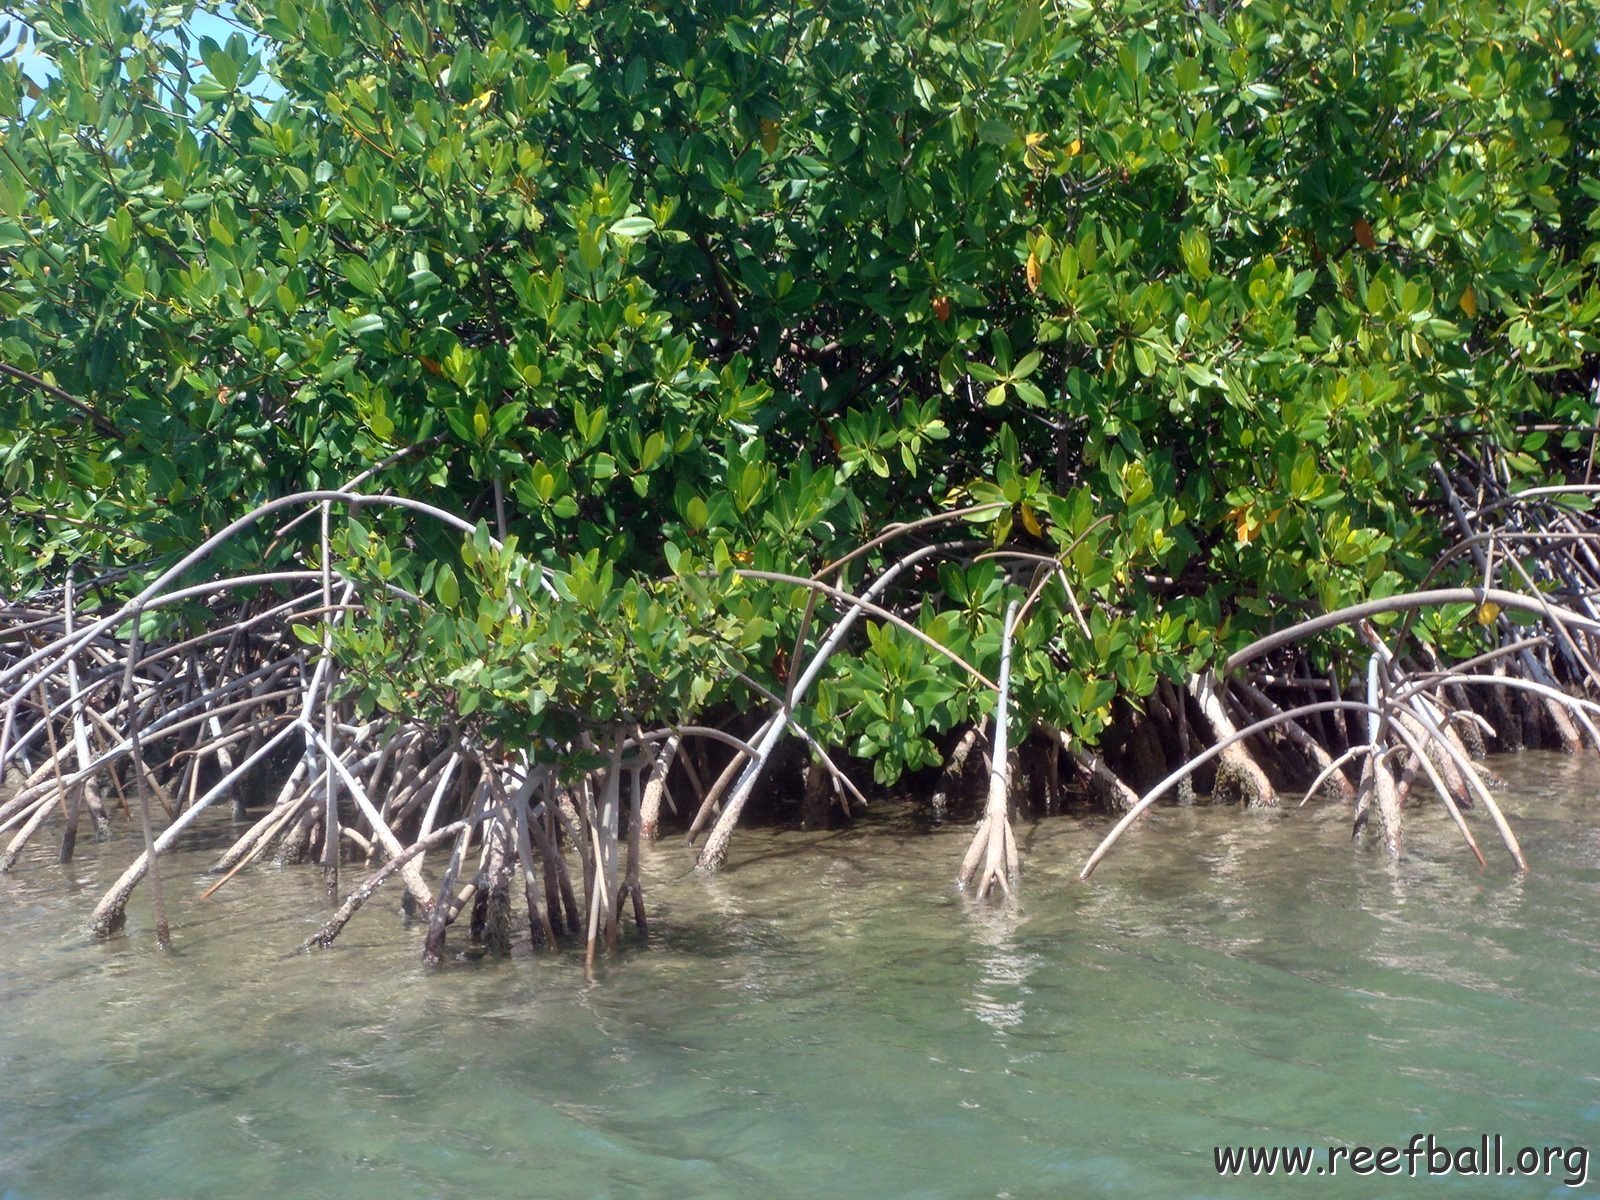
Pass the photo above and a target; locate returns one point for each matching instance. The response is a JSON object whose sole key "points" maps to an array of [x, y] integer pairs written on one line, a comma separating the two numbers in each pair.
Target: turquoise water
{"points": [[828, 1018]]}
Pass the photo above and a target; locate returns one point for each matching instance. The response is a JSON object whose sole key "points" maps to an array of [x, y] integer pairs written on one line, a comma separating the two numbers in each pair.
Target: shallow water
{"points": [[828, 1017]]}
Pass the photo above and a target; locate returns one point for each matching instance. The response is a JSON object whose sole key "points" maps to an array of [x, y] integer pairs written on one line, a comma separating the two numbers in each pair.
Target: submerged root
{"points": [[1106, 788], [1239, 777], [1334, 777], [992, 861], [1378, 785]]}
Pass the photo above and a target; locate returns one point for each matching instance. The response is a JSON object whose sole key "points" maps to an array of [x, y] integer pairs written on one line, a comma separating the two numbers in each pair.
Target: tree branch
{"points": [[101, 422]]}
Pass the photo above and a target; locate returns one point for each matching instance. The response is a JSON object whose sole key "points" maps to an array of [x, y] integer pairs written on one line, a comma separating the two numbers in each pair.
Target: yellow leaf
{"points": [[1033, 271], [1074, 146], [1469, 301], [482, 101], [1245, 526], [1487, 612], [769, 135], [1030, 522], [1034, 153]]}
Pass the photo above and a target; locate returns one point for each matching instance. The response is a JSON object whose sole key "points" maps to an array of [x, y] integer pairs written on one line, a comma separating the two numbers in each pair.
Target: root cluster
{"points": [[241, 706]]}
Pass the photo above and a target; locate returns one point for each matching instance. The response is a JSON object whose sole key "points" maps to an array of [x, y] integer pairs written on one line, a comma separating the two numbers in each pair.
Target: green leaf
{"points": [[1303, 477], [422, 281], [654, 445], [446, 588], [995, 132], [220, 64]]}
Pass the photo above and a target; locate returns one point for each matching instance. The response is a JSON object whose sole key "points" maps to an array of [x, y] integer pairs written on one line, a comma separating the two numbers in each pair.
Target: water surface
{"points": [[829, 1018]]}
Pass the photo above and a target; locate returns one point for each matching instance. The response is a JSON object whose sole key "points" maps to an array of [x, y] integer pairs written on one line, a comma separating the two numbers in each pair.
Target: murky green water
{"points": [[829, 1019]]}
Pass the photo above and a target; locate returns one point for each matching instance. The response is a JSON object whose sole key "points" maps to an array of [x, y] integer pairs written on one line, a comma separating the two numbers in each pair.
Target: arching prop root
{"points": [[716, 847], [992, 861], [247, 710], [335, 925], [93, 712], [1408, 715]]}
